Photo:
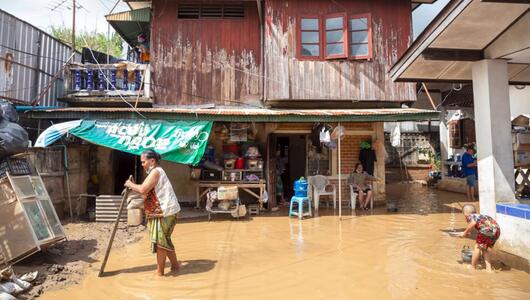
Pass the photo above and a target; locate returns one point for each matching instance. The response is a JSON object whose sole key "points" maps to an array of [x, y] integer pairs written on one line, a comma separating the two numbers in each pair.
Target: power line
{"points": [[58, 4], [28, 54], [108, 81]]}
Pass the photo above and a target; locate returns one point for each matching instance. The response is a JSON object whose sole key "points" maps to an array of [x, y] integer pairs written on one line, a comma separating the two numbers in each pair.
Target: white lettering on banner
{"points": [[137, 136]]}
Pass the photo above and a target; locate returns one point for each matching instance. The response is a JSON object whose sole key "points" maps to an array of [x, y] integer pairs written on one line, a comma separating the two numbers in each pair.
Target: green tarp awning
{"points": [[178, 141], [129, 24]]}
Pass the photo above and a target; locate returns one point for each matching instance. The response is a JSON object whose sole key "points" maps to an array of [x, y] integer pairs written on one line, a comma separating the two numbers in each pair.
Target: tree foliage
{"points": [[96, 40]]}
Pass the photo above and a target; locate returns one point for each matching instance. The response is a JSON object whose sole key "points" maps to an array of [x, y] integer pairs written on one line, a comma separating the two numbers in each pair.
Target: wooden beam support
{"points": [[452, 54]]}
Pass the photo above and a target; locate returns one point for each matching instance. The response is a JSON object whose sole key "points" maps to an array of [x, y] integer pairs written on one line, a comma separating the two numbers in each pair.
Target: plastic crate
{"points": [[210, 175], [15, 166]]}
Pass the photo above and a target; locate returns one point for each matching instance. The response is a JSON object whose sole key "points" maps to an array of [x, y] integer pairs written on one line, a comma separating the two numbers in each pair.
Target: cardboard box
{"points": [[227, 193]]}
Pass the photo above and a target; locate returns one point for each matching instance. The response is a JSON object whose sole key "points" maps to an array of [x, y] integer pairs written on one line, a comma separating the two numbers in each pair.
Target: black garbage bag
{"points": [[13, 138], [8, 111]]}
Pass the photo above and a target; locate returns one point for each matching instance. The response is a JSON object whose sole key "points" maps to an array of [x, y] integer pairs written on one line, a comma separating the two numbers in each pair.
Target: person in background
{"points": [[488, 232], [469, 168], [359, 179], [143, 46], [280, 170], [367, 157], [161, 208]]}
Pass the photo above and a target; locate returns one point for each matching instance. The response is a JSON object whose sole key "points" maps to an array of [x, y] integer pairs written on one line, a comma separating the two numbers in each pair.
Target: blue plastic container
{"points": [[300, 187]]}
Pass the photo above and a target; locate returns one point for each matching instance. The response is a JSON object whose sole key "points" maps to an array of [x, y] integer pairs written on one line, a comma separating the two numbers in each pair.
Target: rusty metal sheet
{"points": [[29, 57], [198, 61]]}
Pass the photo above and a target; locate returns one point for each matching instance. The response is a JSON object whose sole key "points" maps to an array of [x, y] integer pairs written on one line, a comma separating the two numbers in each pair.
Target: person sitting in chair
{"points": [[359, 180]]}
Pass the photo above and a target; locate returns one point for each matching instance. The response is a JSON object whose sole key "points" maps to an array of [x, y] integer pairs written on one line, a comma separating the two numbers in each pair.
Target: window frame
{"points": [[300, 56], [323, 41], [368, 17], [345, 42]]}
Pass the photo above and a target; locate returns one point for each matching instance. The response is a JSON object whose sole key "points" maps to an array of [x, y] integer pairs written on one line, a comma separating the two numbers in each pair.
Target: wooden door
{"points": [[271, 170]]}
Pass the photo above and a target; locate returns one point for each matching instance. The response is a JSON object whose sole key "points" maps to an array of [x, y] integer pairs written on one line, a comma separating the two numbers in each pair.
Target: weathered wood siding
{"points": [[350, 80], [205, 60]]}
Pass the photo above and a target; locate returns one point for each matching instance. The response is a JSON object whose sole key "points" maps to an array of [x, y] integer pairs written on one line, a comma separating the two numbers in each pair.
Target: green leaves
{"points": [[96, 40]]}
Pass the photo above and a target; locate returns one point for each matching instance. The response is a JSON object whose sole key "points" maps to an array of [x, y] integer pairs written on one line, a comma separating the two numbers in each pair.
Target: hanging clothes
{"points": [[368, 159], [318, 131]]}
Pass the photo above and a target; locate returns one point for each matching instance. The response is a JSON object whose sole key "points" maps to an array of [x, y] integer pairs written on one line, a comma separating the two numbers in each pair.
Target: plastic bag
{"points": [[6, 296], [8, 112], [134, 200], [265, 197], [324, 136], [13, 138], [10, 288]]}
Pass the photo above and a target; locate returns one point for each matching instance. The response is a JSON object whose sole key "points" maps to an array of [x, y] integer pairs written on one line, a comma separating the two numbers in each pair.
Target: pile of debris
{"points": [[11, 285]]}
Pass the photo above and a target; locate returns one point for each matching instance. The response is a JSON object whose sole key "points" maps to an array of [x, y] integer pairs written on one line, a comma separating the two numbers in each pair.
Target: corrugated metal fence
{"points": [[29, 59]]}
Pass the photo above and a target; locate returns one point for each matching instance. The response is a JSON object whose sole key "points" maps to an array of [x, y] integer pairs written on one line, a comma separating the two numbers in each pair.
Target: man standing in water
{"points": [[469, 167], [161, 208]]}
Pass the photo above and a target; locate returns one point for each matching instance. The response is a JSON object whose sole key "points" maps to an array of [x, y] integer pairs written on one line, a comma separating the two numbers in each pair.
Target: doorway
{"points": [[290, 161], [125, 164]]}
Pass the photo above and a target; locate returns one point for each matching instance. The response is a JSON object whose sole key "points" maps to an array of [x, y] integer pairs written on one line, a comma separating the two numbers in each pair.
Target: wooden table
{"points": [[203, 187]]}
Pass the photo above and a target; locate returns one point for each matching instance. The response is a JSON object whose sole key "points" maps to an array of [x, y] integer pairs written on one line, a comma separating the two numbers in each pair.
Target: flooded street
{"points": [[379, 255]]}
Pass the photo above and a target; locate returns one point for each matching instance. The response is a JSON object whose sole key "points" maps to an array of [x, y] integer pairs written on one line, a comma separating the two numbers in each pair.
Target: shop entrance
{"points": [[125, 164], [290, 161]]}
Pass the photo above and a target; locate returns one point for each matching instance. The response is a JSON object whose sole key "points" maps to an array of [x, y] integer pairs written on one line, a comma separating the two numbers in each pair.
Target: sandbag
{"points": [[6, 296], [13, 138], [135, 200], [8, 112]]}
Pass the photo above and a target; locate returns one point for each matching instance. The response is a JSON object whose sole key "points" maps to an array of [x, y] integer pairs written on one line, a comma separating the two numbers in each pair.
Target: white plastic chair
{"points": [[354, 195], [318, 184]]}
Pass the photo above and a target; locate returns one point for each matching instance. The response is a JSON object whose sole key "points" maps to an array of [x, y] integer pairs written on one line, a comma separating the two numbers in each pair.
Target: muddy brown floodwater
{"points": [[404, 255]]}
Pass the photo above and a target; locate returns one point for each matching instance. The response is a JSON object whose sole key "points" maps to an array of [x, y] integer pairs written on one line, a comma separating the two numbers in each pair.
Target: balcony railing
{"points": [[91, 82]]}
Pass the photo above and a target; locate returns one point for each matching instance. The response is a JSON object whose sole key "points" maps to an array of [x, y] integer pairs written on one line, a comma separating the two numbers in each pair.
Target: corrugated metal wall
{"points": [[29, 58]]}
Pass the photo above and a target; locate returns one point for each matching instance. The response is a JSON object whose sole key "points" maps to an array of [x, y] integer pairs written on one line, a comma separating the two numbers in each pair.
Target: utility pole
{"points": [[73, 26]]}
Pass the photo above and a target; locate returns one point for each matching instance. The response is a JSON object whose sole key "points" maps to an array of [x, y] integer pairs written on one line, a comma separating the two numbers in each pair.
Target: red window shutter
{"points": [[335, 32], [309, 37], [360, 36]]}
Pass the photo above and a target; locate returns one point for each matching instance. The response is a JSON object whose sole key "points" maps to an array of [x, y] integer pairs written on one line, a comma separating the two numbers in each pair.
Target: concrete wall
{"points": [[515, 235], [519, 100]]}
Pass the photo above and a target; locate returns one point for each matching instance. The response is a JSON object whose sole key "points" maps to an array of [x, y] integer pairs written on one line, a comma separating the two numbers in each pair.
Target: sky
{"points": [[92, 16], [40, 14]]}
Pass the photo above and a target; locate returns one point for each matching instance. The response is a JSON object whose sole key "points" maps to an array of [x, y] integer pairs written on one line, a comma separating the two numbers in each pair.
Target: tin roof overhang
{"points": [[466, 31], [239, 114], [129, 24]]}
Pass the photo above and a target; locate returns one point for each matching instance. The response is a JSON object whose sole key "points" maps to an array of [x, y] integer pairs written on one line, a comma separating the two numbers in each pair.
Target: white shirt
{"points": [[165, 194]]}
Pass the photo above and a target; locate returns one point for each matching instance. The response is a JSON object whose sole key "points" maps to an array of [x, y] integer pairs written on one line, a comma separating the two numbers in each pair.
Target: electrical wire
{"points": [[28, 54], [108, 81]]}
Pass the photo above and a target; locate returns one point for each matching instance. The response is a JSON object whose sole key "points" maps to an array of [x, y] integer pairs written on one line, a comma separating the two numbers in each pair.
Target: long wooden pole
{"points": [[111, 240]]}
